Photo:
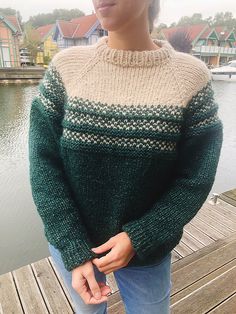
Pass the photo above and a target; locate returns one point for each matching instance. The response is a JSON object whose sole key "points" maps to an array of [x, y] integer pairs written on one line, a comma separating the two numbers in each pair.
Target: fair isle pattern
{"points": [[148, 128], [136, 143], [131, 128], [202, 111], [119, 110], [130, 125], [51, 96]]}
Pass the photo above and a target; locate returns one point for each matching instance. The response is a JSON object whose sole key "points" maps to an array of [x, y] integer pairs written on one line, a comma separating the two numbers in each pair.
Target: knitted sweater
{"points": [[122, 140]]}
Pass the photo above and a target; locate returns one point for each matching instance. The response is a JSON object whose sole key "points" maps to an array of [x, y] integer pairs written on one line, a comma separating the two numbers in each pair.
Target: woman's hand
{"points": [[121, 253], [84, 282]]}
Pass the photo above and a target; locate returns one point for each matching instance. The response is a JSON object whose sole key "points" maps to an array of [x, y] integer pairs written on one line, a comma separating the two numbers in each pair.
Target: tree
{"points": [[181, 41], [31, 41], [174, 24], [7, 11], [196, 18], [184, 20], [50, 18]]}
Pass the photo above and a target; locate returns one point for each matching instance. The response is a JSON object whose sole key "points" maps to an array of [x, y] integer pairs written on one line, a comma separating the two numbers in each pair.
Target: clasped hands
{"points": [[83, 278]]}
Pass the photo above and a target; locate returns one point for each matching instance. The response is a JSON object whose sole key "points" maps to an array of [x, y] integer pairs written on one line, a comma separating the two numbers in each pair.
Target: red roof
{"points": [[206, 33], [77, 27], [43, 30], [14, 21], [67, 28], [222, 33], [193, 30]]}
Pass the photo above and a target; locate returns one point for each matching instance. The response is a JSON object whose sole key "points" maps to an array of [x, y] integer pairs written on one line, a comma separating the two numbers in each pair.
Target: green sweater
{"points": [[122, 140]]}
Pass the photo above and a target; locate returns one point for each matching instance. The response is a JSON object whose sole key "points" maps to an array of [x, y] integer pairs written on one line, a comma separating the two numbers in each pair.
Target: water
{"points": [[21, 230]]}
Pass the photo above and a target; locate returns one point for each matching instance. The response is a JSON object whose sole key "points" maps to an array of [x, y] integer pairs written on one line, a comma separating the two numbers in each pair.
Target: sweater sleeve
{"points": [[197, 161], [63, 226]]}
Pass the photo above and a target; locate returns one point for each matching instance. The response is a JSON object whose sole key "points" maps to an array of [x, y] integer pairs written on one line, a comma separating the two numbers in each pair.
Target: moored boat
{"points": [[225, 73]]}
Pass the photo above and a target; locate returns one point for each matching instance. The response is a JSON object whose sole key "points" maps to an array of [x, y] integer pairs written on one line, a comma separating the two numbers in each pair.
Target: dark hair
{"points": [[153, 13]]}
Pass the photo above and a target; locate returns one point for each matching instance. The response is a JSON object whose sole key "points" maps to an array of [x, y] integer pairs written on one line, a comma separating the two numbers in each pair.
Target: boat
{"points": [[225, 72]]}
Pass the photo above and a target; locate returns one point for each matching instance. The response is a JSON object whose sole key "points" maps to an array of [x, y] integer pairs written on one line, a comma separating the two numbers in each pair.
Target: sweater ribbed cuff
{"points": [[76, 253], [141, 244]]}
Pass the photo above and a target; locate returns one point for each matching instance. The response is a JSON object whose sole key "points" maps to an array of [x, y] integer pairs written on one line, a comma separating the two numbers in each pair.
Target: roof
{"points": [[85, 24], [14, 21], [67, 28], [44, 30], [77, 27], [223, 33], [193, 30]]}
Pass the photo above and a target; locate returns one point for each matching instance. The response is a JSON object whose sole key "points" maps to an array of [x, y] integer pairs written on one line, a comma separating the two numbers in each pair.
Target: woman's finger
{"points": [[107, 259], [93, 285], [110, 267], [89, 299]]}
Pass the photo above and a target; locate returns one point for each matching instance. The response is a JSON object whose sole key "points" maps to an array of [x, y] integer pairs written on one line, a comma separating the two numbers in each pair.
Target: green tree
{"points": [[7, 11], [31, 41], [181, 41], [50, 18], [196, 18], [225, 19], [174, 24], [184, 20]]}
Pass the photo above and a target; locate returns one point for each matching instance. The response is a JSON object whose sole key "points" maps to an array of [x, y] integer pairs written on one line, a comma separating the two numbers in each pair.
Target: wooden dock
{"points": [[203, 271]]}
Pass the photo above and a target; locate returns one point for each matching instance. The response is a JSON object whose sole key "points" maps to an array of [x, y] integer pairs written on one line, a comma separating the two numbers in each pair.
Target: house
{"points": [[213, 45], [84, 30], [48, 47], [10, 39]]}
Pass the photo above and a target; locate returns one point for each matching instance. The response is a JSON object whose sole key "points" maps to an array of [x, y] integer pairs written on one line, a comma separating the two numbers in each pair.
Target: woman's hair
{"points": [[153, 12]]}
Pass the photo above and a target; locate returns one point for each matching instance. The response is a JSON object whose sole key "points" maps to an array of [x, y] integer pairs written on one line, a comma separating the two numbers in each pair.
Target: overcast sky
{"points": [[171, 10]]}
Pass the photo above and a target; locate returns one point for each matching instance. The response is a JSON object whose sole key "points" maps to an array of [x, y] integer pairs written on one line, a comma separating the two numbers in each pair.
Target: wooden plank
{"points": [[224, 210], [204, 299], [29, 293], [231, 224], [117, 308], [59, 278], [198, 234], [50, 287], [215, 223], [175, 256], [191, 242], [182, 249], [203, 252], [115, 303], [202, 266], [111, 281], [206, 228], [227, 206], [9, 301], [229, 197], [228, 306], [200, 283]]}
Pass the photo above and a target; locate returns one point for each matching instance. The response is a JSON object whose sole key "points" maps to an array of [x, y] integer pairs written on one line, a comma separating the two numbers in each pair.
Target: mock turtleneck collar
{"points": [[144, 58]]}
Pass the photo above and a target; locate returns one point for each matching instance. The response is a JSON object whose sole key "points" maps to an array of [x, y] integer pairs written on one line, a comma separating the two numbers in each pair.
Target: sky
{"points": [[171, 10]]}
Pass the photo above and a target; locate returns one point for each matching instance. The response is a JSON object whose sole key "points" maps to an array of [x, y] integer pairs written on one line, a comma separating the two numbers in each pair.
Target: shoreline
{"points": [[27, 75]]}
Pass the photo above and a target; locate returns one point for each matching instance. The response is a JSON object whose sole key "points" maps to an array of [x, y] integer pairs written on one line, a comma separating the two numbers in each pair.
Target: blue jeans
{"points": [[143, 289]]}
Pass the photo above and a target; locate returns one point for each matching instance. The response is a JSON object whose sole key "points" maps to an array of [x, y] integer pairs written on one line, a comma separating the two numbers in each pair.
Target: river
{"points": [[21, 231]]}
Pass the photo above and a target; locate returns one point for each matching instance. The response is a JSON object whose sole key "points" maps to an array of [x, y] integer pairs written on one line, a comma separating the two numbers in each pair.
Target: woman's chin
{"points": [[109, 24]]}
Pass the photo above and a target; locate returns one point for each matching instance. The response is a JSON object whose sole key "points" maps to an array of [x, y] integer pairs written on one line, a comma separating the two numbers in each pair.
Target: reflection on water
{"points": [[21, 231]]}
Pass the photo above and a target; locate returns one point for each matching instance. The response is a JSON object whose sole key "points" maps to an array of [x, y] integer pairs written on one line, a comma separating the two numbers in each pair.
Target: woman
{"points": [[124, 143]]}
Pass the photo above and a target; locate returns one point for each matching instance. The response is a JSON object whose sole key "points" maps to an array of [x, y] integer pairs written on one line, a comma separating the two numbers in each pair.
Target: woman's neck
{"points": [[136, 41]]}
